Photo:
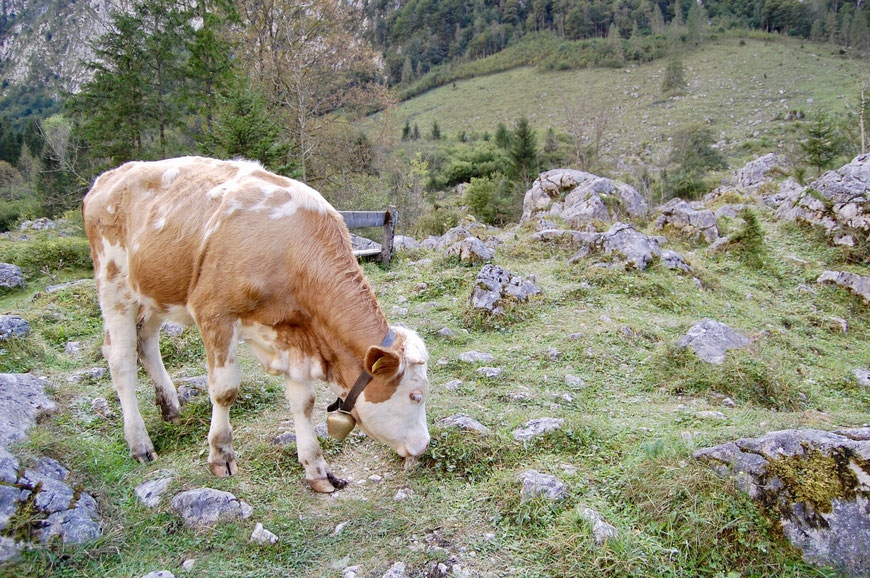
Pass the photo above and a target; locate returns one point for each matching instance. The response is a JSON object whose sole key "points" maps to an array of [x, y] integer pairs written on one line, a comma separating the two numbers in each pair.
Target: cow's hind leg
{"points": [[221, 344], [149, 354], [317, 474], [119, 347]]}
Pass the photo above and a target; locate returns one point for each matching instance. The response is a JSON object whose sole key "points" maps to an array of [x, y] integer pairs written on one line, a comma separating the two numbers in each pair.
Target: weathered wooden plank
{"points": [[366, 252], [359, 219]]}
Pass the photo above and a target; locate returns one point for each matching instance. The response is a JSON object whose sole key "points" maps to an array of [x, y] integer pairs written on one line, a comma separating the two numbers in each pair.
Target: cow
{"points": [[246, 255]]}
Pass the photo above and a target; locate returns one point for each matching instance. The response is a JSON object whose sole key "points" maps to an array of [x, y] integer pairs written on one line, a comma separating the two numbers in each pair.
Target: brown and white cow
{"points": [[246, 255]]}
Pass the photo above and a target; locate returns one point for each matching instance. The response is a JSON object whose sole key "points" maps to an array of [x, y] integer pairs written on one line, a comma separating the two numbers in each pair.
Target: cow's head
{"points": [[392, 408]]}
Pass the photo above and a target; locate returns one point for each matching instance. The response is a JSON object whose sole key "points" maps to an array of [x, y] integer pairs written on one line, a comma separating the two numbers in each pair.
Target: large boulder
{"points": [[689, 220], [839, 201], [22, 398], [628, 244], [815, 483], [11, 276], [710, 340], [580, 198], [761, 169], [206, 506], [857, 284], [495, 287], [470, 250], [13, 326]]}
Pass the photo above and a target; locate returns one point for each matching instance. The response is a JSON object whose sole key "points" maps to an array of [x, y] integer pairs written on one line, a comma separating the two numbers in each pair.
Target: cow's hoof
{"points": [[337, 482], [224, 469], [322, 485], [145, 457]]}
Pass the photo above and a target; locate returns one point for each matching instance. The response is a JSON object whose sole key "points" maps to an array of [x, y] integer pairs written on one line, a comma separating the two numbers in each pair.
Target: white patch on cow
{"points": [[217, 191], [246, 168], [113, 253], [262, 341], [301, 197], [159, 223], [169, 176], [110, 209]]}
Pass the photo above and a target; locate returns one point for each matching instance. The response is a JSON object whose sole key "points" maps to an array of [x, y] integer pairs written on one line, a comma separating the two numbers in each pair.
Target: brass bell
{"points": [[339, 424]]}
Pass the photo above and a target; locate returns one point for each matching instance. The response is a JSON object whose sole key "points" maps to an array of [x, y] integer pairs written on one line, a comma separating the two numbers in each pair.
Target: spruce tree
{"points": [[819, 145], [407, 71], [436, 131], [674, 81], [859, 38], [502, 136], [523, 152], [696, 22], [406, 131], [416, 133]]}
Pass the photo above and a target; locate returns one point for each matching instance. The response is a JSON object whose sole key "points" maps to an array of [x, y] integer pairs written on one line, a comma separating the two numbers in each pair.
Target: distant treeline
{"points": [[417, 36]]}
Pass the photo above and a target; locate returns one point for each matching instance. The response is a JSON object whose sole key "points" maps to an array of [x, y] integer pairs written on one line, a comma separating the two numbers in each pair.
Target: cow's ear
{"points": [[381, 362]]}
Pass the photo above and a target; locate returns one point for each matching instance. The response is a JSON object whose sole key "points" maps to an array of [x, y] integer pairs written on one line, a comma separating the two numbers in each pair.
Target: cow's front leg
{"points": [[317, 474], [221, 343]]}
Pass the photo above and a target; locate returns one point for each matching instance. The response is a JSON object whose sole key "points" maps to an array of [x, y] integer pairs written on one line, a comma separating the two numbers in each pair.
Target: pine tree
{"points": [[819, 145], [209, 66], [435, 134], [674, 81], [406, 131], [416, 134], [859, 38], [523, 152], [407, 71], [502, 136], [614, 46], [657, 22], [696, 22]]}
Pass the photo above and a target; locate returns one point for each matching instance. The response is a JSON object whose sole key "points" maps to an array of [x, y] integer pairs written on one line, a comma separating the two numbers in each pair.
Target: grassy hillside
{"points": [[625, 448], [738, 87]]}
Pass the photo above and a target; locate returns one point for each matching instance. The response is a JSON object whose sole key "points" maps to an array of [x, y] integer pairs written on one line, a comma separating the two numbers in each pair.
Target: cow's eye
{"points": [[416, 397]]}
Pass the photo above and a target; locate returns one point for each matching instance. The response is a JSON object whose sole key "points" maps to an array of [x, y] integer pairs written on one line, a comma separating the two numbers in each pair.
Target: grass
{"points": [[625, 448], [738, 90]]}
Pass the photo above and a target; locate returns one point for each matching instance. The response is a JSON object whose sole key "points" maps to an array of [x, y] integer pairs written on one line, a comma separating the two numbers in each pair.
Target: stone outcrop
{"points": [[11, 276], [839, 201], [689, 220], [630, 246], [536, 484], [760, 170], [470, 250], [537, 427], [495, 287], [815, 483], [206, 506], [13, 326], [855, 283], [710, 340], [579, 198], [463, 422]]}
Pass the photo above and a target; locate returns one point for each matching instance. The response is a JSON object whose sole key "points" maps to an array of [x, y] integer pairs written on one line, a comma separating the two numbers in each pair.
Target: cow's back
{"points": [[166, 224]]}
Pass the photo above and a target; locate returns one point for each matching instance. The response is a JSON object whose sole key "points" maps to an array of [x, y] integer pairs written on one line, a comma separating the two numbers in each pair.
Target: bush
{"points": [[437, 220], [11, 212], [464, 161], [46, 252]]}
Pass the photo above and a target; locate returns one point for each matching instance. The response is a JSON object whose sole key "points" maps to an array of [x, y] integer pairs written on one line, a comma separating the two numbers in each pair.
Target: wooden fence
{"points": [[385, 219]]}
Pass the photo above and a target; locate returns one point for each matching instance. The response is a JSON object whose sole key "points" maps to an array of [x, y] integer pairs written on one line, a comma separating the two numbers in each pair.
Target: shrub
{"points": [[46, 252]]}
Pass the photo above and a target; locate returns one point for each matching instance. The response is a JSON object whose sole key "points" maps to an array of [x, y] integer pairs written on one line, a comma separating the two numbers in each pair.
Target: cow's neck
{"points": [[352, 321]]}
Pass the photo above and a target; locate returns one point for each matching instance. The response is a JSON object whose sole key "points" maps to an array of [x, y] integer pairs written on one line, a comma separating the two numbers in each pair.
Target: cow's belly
{"points": [[278, 356]]}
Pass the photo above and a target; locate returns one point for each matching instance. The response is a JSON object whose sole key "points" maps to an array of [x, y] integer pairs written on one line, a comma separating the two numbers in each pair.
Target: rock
{"points": [[22, 398], [625, 242], [489, 372], [580, 198], [205, 506], [189, 564], [453, 384], [51, 468], [544, 224], [855, 283], [8, 504], [788, 188], [862, 376], [150, 492], [11, 276], [358, 243], [448, 239], [40, 224], [172, 329], [403, 243], [574, 382], [13, 326], [93, 374], [397, 570], [730, 211], [728, 402], [351, 571], [73, 348], [495, 287], [761, 169], [553, 354], [403, 494], [709, 414], [446, 332], [838, 201], [73, 526], [814, 482], [476, 357], [53, 494], [262, 536], [673, 260], [601, 530], [284, 439], [9, 549], [536, 484], [470, 250], [536, 427], [693, 224], [100, 406], [68, 285], [159, 574], [463, 422], [8, 467], [710, 340], [399, 311]]}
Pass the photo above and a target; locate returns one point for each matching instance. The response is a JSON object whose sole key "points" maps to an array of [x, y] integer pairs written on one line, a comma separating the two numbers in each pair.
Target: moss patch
{"points": [[816, 479]]}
